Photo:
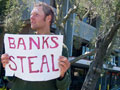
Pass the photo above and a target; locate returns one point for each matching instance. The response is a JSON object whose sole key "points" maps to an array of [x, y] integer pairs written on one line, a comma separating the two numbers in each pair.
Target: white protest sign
{"points": [[33, 57]]}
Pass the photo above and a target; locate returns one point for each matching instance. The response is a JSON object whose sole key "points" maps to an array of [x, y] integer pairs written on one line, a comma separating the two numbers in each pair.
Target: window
{"points": [[87, 49]]}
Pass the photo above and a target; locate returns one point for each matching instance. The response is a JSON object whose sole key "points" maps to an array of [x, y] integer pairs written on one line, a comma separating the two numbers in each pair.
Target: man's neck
{"points": [[44, 31]]}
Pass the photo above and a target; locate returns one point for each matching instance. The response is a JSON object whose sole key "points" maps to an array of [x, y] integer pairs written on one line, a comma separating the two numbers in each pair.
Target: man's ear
{"points": [[49, 18]]}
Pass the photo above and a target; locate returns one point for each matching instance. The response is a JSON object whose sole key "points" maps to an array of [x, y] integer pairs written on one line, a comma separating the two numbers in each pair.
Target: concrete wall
{"points": [[84, 30]]}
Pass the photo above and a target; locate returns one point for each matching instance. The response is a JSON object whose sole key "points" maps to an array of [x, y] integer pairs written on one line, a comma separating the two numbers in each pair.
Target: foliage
{"points": [[106, 10], [3, 7], [13, 21], [109, 11]]}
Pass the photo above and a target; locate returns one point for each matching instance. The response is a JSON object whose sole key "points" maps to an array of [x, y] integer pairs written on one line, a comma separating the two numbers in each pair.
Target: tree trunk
{"points": [[97, 65]]}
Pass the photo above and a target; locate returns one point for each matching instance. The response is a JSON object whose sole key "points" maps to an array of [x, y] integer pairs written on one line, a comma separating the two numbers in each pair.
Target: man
{"points": [[41, 19]]}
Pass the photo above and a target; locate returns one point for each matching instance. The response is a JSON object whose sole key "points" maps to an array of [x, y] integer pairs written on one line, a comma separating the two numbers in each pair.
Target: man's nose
{"points": [[31, 17]]}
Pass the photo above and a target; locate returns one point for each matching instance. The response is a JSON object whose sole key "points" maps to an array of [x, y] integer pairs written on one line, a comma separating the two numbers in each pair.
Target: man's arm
{"points": [[64, 81]]}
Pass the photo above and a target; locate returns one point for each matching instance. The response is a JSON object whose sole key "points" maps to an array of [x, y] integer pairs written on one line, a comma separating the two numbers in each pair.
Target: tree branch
{"points": [[82, 56], [111, 33], [85, 15], [71, 10]]}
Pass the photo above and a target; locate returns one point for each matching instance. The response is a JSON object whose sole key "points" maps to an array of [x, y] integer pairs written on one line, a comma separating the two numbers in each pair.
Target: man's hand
{"points": [[64, 64], [4, 59]]}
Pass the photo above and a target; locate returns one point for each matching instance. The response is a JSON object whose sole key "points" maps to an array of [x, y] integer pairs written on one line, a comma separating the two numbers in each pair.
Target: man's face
{"points": [[37, 18]]}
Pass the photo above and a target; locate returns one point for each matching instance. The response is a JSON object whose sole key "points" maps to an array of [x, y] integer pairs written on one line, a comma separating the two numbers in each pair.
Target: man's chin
{"points": [[33, 28]]}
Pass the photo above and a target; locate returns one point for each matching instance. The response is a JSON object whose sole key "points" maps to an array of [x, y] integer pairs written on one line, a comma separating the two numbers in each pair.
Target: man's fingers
{"points": [[64, 64], [5, 62], [4, 59], [64, 61], [4, 56]]}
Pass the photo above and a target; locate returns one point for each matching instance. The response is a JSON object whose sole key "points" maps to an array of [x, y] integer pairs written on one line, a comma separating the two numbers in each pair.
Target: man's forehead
{"points": [[36, 9]]}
